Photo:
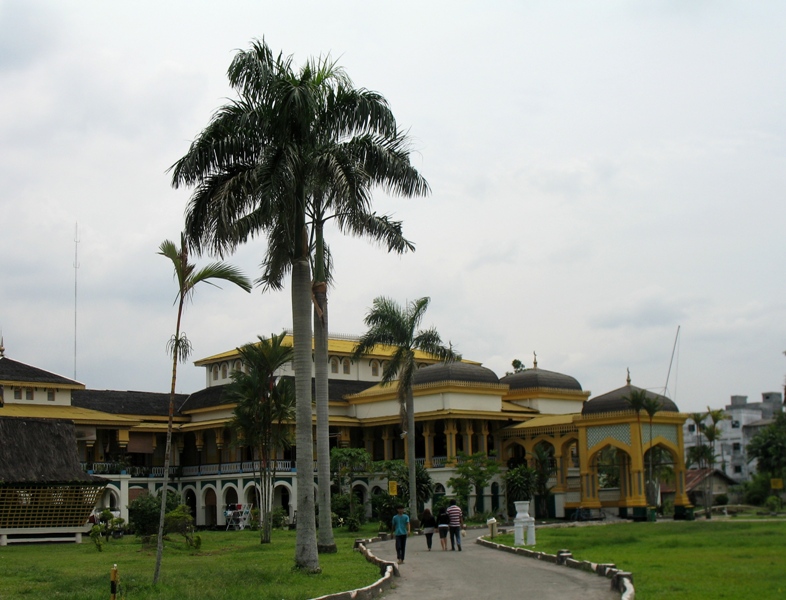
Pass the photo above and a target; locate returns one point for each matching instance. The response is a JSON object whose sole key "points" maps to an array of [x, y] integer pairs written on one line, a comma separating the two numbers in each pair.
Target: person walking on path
{"points": [[443, 525], [429, 523], [401, 531], [456, 523]]}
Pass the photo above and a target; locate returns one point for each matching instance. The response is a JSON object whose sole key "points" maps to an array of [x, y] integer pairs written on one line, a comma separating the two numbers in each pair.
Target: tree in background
{"points": [[398, 471], [473, 471], [187, 277], [347, 463], [545, 467], [768, 447], [391, 325], [265, 407], [520, 484]]}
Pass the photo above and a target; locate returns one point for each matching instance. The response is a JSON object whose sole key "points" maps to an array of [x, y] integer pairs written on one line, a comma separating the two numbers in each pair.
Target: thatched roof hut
{"points": [[41, 482], [39, 451]]}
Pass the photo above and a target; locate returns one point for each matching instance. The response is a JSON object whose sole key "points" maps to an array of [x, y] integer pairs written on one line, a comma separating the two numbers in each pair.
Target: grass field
{"points": [[683, 560], [229, 564]]}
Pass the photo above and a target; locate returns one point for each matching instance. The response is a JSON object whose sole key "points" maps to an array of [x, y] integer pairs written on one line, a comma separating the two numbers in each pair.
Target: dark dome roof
{"points": [[455, 371], [540, 378], [615, 401]]}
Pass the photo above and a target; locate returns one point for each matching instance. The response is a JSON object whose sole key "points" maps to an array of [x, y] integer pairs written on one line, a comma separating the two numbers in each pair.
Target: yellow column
{"points": [[468, 431], [589, 476], [428, 439], [637, 484], [450, 434], [368, 440], [484, 441], [386, 438]]}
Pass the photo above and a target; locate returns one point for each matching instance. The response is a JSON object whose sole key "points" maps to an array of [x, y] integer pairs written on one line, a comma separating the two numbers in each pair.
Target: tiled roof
{"points": [[12, 371], [616, 401], [540, 378], [455, 371], [212, 396], [126, 403]]}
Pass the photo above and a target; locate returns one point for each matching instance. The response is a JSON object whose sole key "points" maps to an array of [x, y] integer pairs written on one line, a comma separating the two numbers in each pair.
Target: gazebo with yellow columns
{"points": [[608, 421]]}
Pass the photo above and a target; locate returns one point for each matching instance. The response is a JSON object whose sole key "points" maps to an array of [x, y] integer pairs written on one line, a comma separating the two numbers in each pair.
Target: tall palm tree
{"points": [[651, 406], [187, 277], [265, 407], [354, 220], [391, 325], [255, 169]]}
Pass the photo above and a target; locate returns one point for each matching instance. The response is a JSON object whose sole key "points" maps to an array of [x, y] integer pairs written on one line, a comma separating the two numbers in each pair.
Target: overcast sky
{"points": [[601, 173]]}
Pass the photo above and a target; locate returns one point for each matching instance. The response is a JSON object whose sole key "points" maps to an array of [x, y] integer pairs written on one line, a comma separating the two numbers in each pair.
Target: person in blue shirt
{"points": [[401, 531]]}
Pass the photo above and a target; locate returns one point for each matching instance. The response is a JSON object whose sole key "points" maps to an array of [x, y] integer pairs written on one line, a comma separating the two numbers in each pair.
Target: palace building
{"points": [[598, 446]]}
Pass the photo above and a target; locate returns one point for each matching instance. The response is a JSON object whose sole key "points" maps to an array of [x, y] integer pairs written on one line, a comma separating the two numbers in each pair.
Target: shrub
{"points": [[773, 503], [757, 489], [144, 512], [383, 506], [721, 500], [279, 517]]}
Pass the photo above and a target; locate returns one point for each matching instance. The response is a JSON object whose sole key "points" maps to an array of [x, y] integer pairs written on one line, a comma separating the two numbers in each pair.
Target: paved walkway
{"points": [[478, 572]]}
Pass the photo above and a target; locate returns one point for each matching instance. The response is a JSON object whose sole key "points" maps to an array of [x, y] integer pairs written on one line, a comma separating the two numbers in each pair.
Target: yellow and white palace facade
{"points": [[459, 407]]}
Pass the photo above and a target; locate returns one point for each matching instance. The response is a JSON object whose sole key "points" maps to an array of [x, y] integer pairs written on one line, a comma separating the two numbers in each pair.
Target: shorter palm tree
{"points": [[265, 408], [651, 406], [187, 277], [391, 325]]}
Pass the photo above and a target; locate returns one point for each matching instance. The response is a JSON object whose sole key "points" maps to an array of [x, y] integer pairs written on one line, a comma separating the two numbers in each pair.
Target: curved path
{"points": [[481, 572]]}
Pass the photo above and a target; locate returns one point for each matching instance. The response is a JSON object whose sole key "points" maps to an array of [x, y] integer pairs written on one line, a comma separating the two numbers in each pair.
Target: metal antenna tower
{"points": [[76, 268]]}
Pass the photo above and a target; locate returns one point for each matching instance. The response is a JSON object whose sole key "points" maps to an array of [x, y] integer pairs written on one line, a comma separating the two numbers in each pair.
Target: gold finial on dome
{"points": [[534, 360], [628, 379]]}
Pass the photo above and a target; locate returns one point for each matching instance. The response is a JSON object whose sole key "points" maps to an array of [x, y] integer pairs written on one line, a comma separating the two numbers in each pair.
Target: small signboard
{"points": [[393, 488], [776, 484]]}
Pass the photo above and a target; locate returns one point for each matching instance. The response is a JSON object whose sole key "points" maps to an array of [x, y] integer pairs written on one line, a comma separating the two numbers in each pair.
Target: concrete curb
{"points": [[621, 581], [387, 571]]}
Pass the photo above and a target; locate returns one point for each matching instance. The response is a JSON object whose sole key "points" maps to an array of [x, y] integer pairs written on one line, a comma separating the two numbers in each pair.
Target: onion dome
{"points": [[540, 378], [617, 401], [455, 371]]}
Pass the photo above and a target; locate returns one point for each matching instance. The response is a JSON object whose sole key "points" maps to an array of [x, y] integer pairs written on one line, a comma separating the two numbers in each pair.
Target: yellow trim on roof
{"points": [[335, 346], [82, 416], [20, 383], [550, 421]]}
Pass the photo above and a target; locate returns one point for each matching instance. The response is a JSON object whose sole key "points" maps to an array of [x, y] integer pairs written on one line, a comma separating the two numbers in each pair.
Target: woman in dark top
{"points": [[429, 523], [443, 523]]}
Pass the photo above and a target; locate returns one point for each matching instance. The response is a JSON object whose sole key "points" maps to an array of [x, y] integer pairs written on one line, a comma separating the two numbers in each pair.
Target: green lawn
{"points": [[683, 560], [228, 565]]}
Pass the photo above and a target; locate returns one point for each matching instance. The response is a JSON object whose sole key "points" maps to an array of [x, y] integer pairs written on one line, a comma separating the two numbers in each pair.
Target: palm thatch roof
{"points": [[39, 451]]}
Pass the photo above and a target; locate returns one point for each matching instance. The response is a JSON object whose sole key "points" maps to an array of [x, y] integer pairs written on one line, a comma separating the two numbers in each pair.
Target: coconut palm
{"points": [[187, 277], [256, 168], [391, 325], [265, 407]]}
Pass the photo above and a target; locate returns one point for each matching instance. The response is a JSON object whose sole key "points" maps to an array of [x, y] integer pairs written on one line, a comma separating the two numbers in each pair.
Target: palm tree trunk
{"points": [[306, 556], [413, 481], [168, 447], [325, 543]]}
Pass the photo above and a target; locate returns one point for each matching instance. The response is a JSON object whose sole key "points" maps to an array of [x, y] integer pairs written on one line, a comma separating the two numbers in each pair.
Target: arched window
{"points": [[374, 368], [345, 364], [238, 366], [215, 372], [334, 365], [224, 371]]}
